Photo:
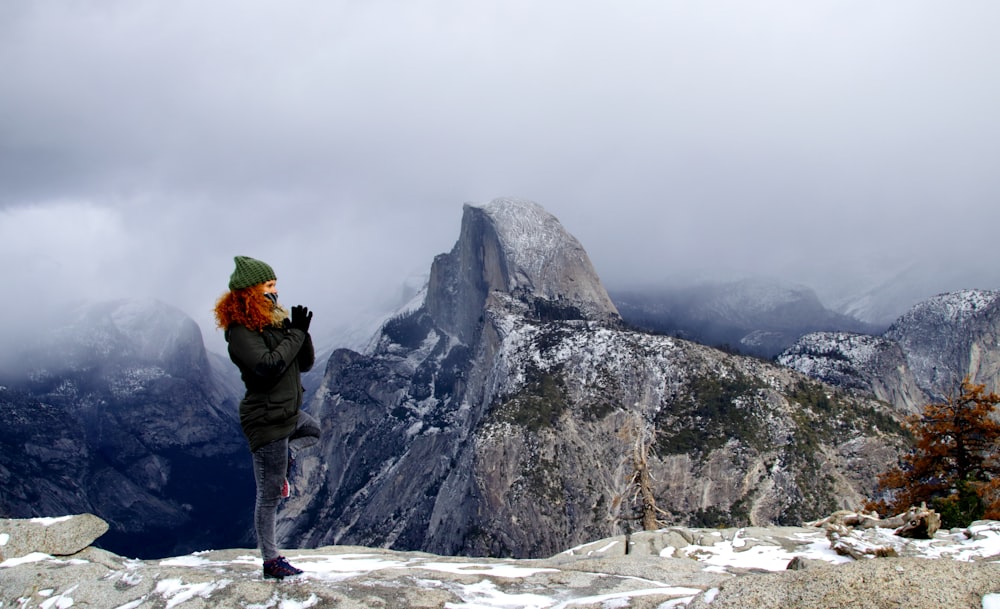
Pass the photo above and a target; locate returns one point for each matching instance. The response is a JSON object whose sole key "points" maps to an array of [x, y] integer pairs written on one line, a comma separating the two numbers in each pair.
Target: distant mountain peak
{"points": [[543, 258], [949, 336], [530, 236], [122, 395], [513, 247], [956, 307], [923, 356]]}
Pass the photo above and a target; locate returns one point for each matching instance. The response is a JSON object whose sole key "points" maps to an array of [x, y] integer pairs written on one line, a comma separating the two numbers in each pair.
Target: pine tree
{"points": [[954, 465]]}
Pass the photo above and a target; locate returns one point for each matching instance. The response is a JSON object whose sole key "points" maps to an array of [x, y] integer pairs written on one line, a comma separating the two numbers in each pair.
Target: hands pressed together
{"points": [[301, 318]]}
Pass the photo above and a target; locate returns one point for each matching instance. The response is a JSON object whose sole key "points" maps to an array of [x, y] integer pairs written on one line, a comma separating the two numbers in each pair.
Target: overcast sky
{"points": [[143, 144]]}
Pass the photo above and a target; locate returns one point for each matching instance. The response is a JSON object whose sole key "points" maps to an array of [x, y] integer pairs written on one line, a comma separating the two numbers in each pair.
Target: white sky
{"points": [[144, 143]]}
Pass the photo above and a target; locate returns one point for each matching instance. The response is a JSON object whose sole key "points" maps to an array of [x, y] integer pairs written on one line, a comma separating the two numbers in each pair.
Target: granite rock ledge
{"points": [[674, 567]]}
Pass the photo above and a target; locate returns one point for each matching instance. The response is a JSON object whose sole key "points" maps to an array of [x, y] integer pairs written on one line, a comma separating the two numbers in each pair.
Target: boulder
{"points": [[914, 583], [61, 536]]}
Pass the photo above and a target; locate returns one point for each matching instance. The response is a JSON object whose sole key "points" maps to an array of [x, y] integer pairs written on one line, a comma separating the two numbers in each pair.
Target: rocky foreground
{"points": [[51, 564]]}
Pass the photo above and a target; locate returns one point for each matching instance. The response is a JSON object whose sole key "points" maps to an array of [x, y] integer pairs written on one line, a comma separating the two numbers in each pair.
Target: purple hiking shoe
{"points": [[278, 568]]}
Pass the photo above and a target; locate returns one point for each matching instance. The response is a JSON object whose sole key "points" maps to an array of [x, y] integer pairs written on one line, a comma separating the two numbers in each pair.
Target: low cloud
{"points": [[143, 145]]}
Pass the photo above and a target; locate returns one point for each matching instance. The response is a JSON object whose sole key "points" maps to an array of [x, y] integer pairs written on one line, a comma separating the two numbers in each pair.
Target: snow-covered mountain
{"points": [[757, 316], [495, 413], [940, 272], [872, 365], [501, 415], [922, 357], [117, 411], [951, 336]]}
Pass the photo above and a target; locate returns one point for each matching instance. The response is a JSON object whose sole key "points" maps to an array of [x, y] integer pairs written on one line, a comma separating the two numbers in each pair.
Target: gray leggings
{"points": [[270, 466]]}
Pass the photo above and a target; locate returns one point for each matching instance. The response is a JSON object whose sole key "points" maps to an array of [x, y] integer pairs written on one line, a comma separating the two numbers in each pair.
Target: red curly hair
{"points": [[246, 307]]}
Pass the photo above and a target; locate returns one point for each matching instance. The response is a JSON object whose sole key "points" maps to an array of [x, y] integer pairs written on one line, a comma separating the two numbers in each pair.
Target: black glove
{"points": [[301, 317]]}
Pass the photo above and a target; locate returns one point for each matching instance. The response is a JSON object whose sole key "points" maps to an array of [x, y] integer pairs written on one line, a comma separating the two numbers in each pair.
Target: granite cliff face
{"points": [[875, 365], [513, 247], [500, 416], [950, 336], [117, 411], [922, 357]]}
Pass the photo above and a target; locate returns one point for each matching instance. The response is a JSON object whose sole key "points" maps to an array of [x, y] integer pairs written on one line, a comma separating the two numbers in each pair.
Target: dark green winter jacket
{"points": [[270, 362]]}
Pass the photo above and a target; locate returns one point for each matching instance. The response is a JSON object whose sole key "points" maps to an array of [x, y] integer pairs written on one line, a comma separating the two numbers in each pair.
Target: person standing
{"points": [[271, 347]]}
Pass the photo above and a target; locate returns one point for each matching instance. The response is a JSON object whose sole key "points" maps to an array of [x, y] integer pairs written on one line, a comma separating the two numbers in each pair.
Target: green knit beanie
{"points": [[250, 272]]}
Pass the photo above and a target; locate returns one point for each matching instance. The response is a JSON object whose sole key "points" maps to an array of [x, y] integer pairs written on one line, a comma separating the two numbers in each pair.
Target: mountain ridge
{"points": [[119, 411], [921, 358], [757, 316], [489, 420], [500, 400]]}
